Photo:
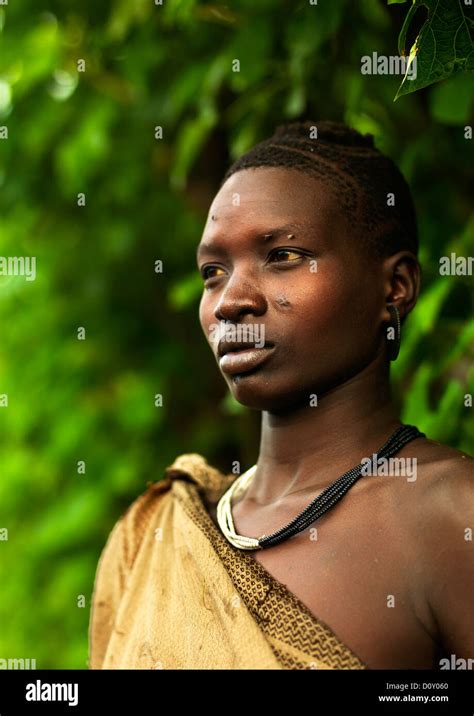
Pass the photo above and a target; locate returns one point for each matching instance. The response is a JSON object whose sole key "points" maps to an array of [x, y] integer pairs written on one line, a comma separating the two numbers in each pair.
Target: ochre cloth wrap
{"points": [[171, 593]]}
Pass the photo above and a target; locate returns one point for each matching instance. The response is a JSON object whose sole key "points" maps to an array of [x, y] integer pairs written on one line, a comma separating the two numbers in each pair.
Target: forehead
{"points": [[271, 194]]}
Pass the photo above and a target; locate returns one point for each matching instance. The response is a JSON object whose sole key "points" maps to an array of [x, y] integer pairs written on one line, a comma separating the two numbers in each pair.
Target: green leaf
{"points": [[442, 48], [461, 346], [421, 322], [416, 409]]}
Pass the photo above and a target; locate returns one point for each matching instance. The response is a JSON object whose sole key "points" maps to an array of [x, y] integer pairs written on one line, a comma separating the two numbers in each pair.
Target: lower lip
{"points": [[243, 361]]}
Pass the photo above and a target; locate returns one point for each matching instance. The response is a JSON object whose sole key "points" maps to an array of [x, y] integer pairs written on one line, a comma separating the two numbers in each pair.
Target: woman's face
{"points": [[283, 272]]}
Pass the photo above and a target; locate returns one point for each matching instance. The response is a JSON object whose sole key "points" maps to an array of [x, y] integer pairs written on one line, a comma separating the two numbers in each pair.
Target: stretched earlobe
{"points": [[393, 332]]}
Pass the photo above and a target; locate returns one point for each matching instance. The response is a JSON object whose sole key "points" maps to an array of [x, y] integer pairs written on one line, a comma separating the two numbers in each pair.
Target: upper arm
{"points": [[450, 559]]}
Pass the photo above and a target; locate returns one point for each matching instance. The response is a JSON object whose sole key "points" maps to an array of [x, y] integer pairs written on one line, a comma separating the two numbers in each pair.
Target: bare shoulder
{"points": [[437, 507], [450, 496], [441, 529], [442, 472]]}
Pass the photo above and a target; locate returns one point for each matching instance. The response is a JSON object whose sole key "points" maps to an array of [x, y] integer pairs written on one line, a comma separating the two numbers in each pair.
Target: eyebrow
{"points": [[268, 235]]}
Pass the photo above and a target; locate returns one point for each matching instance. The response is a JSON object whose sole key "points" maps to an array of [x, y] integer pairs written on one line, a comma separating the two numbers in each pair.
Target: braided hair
{"points": [[361, 178]]}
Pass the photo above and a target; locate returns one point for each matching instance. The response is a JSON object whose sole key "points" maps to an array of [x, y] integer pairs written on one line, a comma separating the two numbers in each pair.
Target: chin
{"points": [[258, 393]]}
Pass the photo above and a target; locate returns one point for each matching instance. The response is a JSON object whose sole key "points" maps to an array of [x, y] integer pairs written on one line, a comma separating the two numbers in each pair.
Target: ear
{"points": [[401, 282]]}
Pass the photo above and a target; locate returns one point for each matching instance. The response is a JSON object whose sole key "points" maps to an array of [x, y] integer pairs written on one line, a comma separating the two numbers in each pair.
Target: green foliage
{"points": [[443, 46], [93, 132]]}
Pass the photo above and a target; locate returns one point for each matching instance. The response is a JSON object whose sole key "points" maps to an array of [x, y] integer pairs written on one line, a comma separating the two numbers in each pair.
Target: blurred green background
{"points": [[94, 132]]}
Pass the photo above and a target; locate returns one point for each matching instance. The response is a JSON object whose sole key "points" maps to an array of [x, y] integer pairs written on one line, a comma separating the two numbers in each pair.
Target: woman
{"points": [[347, 545]]}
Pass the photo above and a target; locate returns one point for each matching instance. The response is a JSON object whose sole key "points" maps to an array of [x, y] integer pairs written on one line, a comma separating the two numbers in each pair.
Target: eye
{"points": [[205, 271], [281, 255]]}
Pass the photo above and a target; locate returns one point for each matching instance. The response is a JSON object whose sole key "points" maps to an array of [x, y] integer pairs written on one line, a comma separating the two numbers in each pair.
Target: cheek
{"points": [[340, 313], [319, 300], [323, 315], [205, 315]]}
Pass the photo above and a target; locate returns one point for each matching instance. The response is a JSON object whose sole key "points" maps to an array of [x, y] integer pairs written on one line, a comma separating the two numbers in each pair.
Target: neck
{"points": [[309, 447]]}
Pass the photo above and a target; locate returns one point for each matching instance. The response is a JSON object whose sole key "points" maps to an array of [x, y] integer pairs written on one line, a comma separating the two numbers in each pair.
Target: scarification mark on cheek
{"points": [[282, 300]]}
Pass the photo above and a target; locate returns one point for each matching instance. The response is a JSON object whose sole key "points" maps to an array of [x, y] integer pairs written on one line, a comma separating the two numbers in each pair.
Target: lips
{"points": [[235, 346], [240, 357]]}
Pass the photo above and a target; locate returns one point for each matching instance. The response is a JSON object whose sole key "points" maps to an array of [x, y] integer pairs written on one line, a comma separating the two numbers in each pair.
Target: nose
{"points": [[239, 298]]}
